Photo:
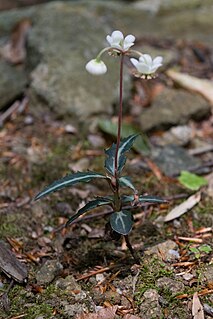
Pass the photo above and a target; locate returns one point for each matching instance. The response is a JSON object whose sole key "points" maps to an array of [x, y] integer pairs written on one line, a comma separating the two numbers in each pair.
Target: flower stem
{"points": [[119, 116], [136, 259]]}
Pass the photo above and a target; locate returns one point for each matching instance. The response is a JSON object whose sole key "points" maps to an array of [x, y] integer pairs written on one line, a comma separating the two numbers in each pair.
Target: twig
{"points": [[192, 240], [201, 150], [9, 111], [95, 272], [17, 105]]}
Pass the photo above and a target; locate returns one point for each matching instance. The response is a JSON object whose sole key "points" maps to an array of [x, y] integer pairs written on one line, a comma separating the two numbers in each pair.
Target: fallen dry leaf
{"points": [[183, 207], [201, 86], [131, 317], [14, 50], [210, 185], [197, 308], [104, 313]]}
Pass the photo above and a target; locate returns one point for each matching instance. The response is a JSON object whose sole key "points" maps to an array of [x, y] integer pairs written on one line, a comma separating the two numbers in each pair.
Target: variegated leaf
{"points": [[69, 180], [126, 181], [121, 222], [125, 146], [144, 199], [100, 201]]}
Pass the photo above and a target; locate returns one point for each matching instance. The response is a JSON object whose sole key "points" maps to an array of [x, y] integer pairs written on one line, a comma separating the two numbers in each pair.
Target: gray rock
{"points": [[178, 135], [173, 107], [68, 283], [172, 159], [150, 307], [164, 251], [172, 285], [60, 79], [13, 81], [62, 41], [207, 275], [48, 272], [72, 310]]}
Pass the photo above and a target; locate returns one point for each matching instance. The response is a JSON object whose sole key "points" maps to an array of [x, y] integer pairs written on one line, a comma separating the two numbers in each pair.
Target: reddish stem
{"points": [[119, 115]]}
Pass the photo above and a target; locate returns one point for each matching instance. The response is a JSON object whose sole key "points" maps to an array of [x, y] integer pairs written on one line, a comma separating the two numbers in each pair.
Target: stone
{"points": [[60, 80], [174, 286], [179, 135], [58, 49], [150, 307], [164, 251], [207, 275], [48, 272], [69, 283], [13, 82], [172, 159], [70, 311], [172, 107]]}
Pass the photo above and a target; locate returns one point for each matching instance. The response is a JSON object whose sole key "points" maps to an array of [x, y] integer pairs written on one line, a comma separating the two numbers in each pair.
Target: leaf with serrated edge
{"points": [[100, 201], [121, 222], [124, 147], [126, 181], [69, 180]]}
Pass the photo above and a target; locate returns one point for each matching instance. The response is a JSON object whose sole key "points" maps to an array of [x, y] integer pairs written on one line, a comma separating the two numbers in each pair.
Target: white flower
{"points": [[96, 67], [145, 65], [117, 40]]}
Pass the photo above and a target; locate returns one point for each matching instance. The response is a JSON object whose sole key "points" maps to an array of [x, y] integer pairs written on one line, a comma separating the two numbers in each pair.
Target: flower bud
{"points": [[96, 67]]}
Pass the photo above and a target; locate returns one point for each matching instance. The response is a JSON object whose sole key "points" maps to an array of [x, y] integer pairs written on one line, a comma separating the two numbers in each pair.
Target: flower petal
{"points": [[143, 68], [109, 39], [134, 62], [158, 60], [147, 58], [129, 38], [117, 36]]}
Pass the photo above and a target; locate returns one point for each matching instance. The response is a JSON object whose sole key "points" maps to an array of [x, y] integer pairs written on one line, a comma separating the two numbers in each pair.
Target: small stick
{"points": [[192, 240]]}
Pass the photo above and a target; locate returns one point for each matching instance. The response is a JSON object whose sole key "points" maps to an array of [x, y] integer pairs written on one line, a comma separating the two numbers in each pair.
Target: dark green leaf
{"points": [[152, 199], [140, 145], [125, 146], [100, 201], [121, 222], [126, 181], [67, 181], [143, 199]]}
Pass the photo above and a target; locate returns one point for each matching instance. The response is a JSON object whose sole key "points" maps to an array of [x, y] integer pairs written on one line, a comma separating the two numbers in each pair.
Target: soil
{"points": [[35, 155]]}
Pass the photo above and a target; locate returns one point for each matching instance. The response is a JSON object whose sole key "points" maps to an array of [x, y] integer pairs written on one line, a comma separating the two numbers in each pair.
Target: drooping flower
{"points": [[146, 66], [117, 40], [96, 67]]}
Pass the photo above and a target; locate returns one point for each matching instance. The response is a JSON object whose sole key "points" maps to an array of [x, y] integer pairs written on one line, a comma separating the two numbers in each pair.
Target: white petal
{"points": [[127, 45], [147, 58], [96, 67], [134, 62], [155, 67], [143, 68], [117, 36], [158, 60], [129, 38], [109, 39]]}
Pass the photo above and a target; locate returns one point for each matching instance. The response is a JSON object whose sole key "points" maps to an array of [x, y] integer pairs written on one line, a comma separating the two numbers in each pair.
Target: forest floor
{"points": [[78, 272]]}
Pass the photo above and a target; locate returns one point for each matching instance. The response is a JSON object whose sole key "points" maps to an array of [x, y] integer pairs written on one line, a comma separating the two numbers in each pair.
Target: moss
{"points": [[151, 270], [9, 226]]}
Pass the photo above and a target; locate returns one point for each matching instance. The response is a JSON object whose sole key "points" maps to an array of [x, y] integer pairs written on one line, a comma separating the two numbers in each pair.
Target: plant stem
{"points": [[119, 115], [126, 237]]}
